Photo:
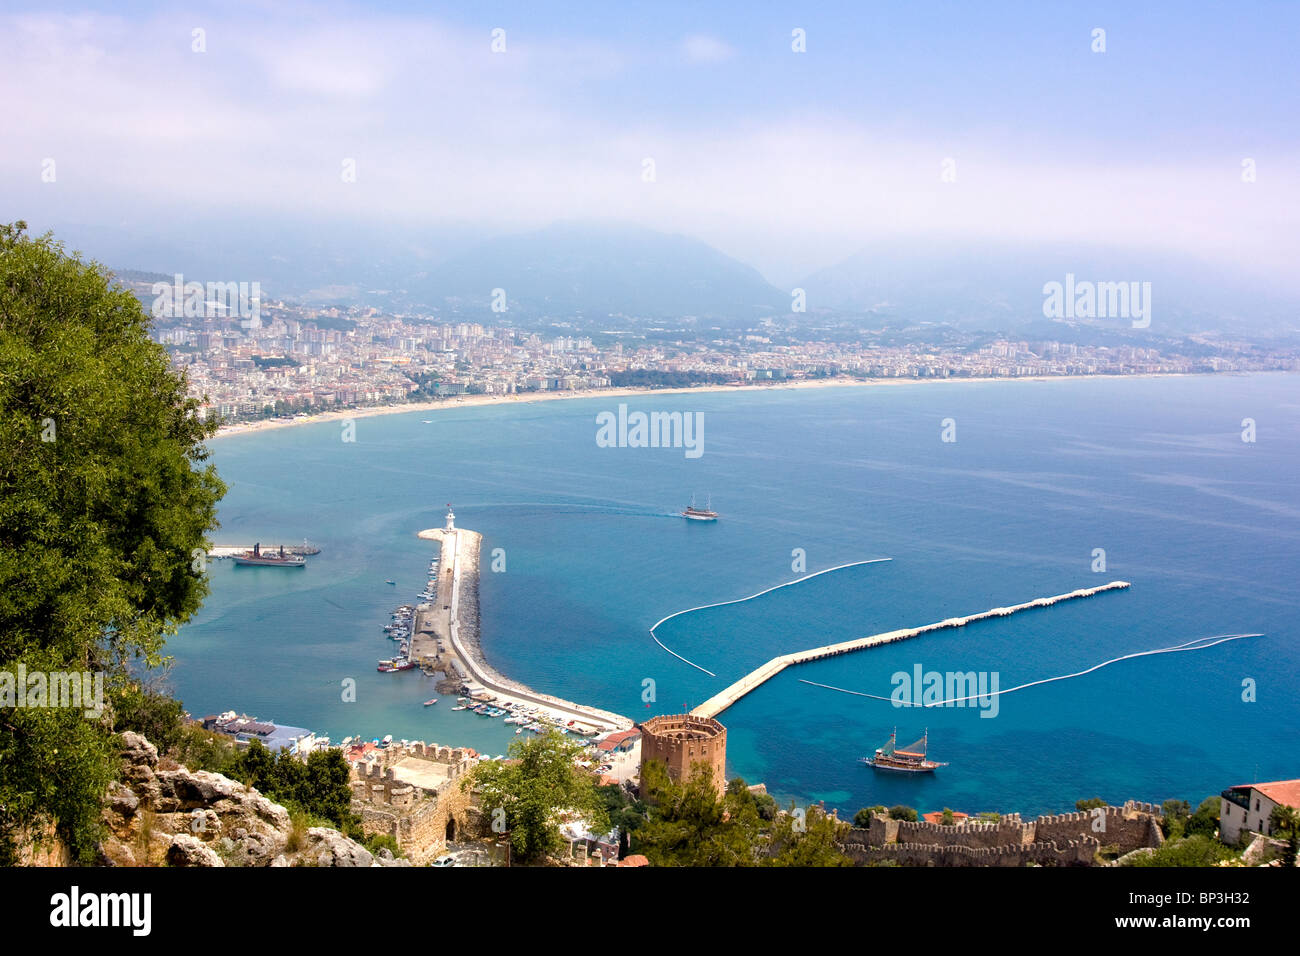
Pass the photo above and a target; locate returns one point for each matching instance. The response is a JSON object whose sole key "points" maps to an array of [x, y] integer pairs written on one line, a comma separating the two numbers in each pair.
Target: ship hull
{"points": [[268, 563], [885, 767]]}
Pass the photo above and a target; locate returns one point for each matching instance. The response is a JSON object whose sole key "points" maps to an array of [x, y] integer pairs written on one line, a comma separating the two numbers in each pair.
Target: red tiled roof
{"points": [[1285, 792], [636, 859], [937, 816], [616, 738]]}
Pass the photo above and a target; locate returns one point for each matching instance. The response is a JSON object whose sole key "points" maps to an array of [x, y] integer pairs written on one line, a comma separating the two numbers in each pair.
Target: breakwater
{"points": [[459, 564], [761, 675], [777, 587]]}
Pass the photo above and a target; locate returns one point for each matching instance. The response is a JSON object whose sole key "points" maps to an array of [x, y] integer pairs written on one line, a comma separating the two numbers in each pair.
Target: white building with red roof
{"points": [[1246, 808]]}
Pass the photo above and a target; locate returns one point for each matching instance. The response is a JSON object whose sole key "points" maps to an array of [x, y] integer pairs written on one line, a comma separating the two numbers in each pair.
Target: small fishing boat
{"points": [[430, 702], [393, 583]]}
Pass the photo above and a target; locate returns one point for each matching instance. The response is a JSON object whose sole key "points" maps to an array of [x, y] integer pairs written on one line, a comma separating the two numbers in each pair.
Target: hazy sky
{"points": [[787, 160]]}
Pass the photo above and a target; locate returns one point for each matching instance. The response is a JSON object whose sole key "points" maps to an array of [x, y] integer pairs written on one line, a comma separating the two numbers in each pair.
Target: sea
{"points": [[981, 494]]}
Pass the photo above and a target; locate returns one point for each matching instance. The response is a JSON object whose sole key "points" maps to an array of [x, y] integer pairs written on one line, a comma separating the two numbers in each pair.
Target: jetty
{"points": [[453, 618], [756, 678]]}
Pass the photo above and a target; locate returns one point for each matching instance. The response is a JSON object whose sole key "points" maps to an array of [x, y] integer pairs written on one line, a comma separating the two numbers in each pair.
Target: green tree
{"points": [[625, 813], [535, 787], [690, 825], [106, 497], [1090, 804], [1205, 821], [901, 812], [806, 841], [1175, 814], [862, 819], [1284, 822]]}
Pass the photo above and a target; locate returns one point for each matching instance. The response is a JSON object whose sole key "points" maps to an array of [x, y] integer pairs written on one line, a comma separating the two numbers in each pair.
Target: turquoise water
{"points": [[1205, 526]]}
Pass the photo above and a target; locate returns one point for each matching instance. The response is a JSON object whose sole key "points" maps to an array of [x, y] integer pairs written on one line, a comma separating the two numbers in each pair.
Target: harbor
{"points": [[444, 639], [761, 675]]}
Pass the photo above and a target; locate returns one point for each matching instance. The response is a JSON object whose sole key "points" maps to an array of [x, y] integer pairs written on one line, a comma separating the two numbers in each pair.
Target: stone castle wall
{"points": [[1065, 839], [1071, 853], [420, 820]]}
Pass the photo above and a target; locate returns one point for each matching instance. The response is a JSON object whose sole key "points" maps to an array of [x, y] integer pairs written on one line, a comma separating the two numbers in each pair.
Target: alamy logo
{"points": [[653, 430], [923, 688], [75, 908], [82, 690], [217, 300], [1098, 300]]}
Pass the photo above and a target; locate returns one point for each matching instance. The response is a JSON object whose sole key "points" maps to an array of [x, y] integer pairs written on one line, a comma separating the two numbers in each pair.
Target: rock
{"points": [[204, 824], [280, 860], [185, 850], [122, 800], [184, 789], [385, 854], [138, 751], [259, 849], [331, 848], [116, 853]]}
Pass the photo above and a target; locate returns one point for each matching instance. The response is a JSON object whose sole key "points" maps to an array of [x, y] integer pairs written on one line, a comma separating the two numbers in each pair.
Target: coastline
{"points": [[474, 401]]}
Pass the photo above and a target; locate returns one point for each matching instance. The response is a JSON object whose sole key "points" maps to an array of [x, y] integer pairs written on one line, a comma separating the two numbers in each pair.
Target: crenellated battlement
{"points": [[1051, 839]]}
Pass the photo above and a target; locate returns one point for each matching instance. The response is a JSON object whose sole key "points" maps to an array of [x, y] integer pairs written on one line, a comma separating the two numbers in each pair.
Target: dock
{"points": [[761, 675], [452, 618]]}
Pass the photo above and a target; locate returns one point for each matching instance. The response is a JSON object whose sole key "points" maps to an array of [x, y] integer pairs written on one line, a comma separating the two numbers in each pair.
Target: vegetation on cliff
{"points": [[106, 497]]}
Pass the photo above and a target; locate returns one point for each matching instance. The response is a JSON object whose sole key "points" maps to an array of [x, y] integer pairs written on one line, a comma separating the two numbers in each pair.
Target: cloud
{"points": [[445, 132], [705, 49]]}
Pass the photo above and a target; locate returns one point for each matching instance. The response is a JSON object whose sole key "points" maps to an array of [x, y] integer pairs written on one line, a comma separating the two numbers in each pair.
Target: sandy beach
{"points": [[472, 401]]}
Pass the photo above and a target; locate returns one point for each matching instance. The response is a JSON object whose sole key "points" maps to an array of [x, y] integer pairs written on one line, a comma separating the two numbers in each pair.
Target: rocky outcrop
{"points": [[181, 817]]}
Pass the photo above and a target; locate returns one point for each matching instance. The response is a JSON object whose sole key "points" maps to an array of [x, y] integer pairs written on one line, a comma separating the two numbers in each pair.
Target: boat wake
{"points": [[1197, 644], [777, 587]]}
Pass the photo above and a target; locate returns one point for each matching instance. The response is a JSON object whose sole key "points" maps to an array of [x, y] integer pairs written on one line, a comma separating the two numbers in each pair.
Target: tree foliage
{"points": [[1188, 851], [535, 788], [806, 840], [690, 825], [106, 496], [1205, 821], [318, 785], [1284, 823]]}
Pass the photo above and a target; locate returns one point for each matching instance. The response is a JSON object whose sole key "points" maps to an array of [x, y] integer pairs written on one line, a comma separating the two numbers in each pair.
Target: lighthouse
{"points": [[451, 520]]}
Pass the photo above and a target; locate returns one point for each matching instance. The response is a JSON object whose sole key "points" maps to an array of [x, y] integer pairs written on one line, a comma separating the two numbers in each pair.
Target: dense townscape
{"points": [[294, 359]]}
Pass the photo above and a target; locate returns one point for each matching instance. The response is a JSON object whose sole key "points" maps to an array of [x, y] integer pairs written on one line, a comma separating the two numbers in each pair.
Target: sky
{"points": [[787, 160]]}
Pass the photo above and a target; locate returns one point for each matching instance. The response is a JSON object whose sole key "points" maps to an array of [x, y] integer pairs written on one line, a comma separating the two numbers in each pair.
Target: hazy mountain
{"points": [[598, 269], [989, 285]]}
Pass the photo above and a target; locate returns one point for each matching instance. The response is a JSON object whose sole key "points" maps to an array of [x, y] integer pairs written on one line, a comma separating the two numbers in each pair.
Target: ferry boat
{"points": [[910, 759], [692, 513], [256, 558]]}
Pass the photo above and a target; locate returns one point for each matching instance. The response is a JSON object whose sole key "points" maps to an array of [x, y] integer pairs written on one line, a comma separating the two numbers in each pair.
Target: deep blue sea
{"points": [[1154, 471]]}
